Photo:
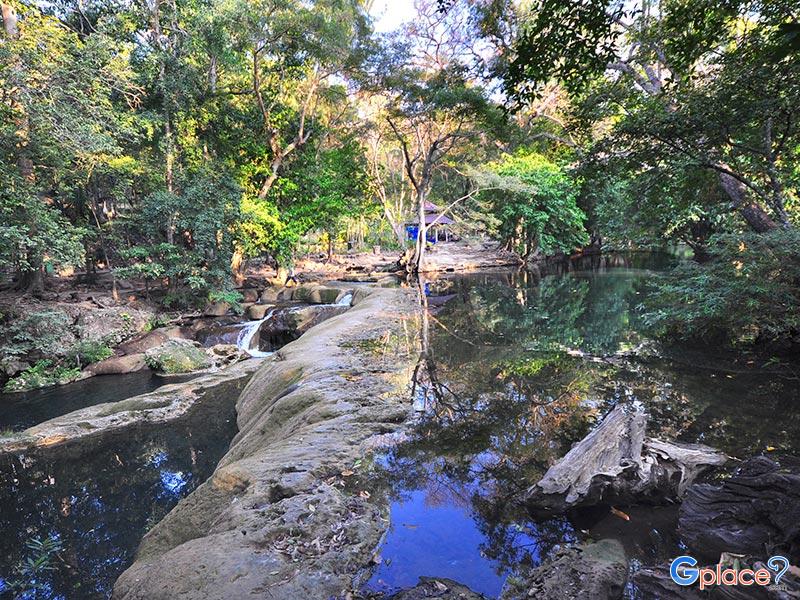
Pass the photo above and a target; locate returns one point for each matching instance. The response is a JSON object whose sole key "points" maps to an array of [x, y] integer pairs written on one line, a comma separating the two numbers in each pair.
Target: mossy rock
{"points": [[177, 356]]}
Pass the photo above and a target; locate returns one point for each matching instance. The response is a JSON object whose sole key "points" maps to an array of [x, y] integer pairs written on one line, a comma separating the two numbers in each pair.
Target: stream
{"points": [[96, 499], [520, 367]]}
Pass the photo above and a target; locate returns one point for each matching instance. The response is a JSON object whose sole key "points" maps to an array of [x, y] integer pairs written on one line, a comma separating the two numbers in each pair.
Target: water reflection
{"points": [[516, 367], [98, 499]]}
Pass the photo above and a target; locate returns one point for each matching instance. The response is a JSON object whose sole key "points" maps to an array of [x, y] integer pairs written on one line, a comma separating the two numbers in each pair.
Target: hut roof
{"points": [[440, 220], [431, 207]]}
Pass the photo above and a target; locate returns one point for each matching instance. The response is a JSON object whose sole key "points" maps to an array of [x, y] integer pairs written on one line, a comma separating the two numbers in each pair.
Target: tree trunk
{"points": [[755, 216], [237, 265], [32, 282], [9, 20], [422, 234]]}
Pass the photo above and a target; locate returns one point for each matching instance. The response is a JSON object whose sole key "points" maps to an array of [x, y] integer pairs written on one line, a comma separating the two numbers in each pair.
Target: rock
{"points": [[438, 587], [289, 323], [755, 512], [110, 326], [258, 311], [177, 356], [301, 419], [155, 338], [312, 293], [598, 571], [270, 295], [166, 404], [655, 582], [225, 354], [117, 365], [216, 309], [249, 295], [615, 463], [14, 366]]}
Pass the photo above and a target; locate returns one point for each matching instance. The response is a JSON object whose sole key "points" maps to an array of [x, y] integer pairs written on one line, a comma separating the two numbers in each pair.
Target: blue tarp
{"points": [[412, 231]]}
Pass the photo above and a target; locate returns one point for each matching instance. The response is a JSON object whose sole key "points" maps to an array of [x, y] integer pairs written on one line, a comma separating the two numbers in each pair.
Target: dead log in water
{"points": [[617, 464], [756, 511]]}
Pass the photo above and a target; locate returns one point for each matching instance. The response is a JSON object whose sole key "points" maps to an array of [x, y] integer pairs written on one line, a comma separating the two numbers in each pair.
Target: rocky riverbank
{"points": [[278, 517], [166, 404]]}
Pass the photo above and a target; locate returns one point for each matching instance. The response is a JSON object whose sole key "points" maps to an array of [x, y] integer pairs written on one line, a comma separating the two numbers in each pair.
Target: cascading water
{"points": [[247, 334], [345, 300]]}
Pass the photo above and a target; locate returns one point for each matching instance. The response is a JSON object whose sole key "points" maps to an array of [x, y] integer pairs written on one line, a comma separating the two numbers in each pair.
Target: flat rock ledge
{"points": [[165, 404], [277, 518]]}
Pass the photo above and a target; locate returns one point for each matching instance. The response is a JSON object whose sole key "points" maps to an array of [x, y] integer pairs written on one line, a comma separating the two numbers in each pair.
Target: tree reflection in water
{"points": [[99, 498], [514, 368]]}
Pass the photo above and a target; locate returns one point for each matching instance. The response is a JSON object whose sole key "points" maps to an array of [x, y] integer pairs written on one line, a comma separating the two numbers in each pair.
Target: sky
{"points": [[389, 14]]}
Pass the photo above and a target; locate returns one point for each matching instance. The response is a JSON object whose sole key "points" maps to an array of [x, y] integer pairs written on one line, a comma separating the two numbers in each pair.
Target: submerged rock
{"points": [[437, 587], [756, 512], [177, 356], [615, 463], [598, 571]]}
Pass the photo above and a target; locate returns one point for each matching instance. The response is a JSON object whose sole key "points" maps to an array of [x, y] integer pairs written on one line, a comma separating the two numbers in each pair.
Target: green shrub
{"points": [[42, 374], [177, 356], [749, 293], [91, 351]]}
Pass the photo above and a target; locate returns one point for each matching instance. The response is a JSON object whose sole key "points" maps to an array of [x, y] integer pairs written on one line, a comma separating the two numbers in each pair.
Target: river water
{"points": [[97, 499], [521, 366]]}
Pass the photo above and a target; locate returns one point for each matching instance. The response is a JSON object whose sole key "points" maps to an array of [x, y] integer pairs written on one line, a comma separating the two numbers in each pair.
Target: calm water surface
{"points": [[98, 499], [519, 368]]}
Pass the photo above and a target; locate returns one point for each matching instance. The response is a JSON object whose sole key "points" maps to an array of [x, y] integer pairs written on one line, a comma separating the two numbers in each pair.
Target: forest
{"points": [[588, 199], [172, 142]]}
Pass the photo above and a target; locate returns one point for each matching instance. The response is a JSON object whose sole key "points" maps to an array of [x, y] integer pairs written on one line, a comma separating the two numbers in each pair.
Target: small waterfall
{"points": [[345, 300], [246, 335]]}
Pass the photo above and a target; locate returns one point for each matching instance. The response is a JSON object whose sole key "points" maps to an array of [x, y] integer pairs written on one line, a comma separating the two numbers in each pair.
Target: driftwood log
{"points": [[755, 512], [616, 463]]}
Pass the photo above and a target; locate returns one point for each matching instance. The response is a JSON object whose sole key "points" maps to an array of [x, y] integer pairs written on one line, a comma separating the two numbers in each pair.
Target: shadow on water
{"points": [[98, 499], [515, 368]]}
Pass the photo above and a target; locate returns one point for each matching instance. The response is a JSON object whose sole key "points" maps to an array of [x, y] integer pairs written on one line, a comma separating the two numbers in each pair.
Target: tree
{"points": [[534, 201], [434, 101], [697, 85]]}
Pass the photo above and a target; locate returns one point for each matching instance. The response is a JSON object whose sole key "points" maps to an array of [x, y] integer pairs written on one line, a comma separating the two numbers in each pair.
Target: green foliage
{"points": [[534, 202], [91, 351], [187, 236], [176, 356], [39, 333], [748, 293], [29, 578], [44, 373]]}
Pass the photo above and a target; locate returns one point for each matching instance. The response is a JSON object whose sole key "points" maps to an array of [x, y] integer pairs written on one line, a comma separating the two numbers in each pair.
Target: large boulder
{"points": [[177, 356], [110, 325], [598, 571], [258, 311], [216, 309], [275, 520], [313, 293], [289, 323], [755, 512], [152, 339], [118, 365]]}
